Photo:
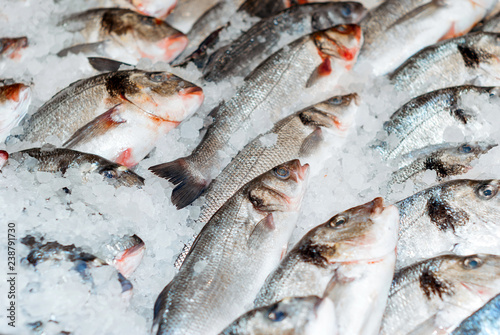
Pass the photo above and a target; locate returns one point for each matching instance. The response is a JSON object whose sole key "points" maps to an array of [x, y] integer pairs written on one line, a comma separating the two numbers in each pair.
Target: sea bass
{"points": [[241, 56], [485, 321], [291, 316], [460, 60], [435, 295], [14, 102], [297, 136], [459, 216], [111, 105], [125, 35], [50, 159], [264, 94], [423, 120], [418, 24], [232, 255]]}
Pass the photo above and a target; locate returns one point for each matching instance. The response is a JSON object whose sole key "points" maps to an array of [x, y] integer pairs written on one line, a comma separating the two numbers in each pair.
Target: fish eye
{"points": [[472, 262], [341, 29], [346, 10], [336, 100], [109, 174], [465, 148], [158, 77], [338, 221], [275, 315], [487, 192], [282, 172]]}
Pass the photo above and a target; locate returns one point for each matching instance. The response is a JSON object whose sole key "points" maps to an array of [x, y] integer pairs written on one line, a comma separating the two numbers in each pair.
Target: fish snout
{"points": [[302, 171]]}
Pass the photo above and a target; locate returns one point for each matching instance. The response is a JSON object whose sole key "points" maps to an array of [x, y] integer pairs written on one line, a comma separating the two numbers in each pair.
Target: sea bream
{"points": [[474, 58], [485, 321], [99, 114], [291, 316], [297, 136], [15, 99], [350, 258], [320, 57], [459, 216], [423, 121], [125, 35], [435, 295], [232, 255], [242, 55], [415, 24], [50, 159]]}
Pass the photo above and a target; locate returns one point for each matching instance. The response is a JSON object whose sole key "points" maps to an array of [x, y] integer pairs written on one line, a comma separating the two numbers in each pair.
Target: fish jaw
{"points": [[127, 261], [156, 8], [165, 50], [192, 99]]}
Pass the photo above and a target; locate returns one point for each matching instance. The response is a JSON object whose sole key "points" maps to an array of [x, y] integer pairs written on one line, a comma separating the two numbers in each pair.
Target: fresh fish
{"points": [[264, 94], [359, 235], [123, 34], [435, 295], [445, 159], [157, 8], [14, 102], [485, 321], [268, 35], [124, 253], [459, 216], [418, 24], [50, 159], [291, 316], [422, 121], [187, 12], [297, 136], [11, 47], [460, 60], [95, 114], [232, 255]]}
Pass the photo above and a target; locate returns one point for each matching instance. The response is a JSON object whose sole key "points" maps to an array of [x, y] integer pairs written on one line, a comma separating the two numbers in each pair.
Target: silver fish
{"points": [[438, 293], [459, 216], [232, 255], [267, 36], [291, 316], [297, 136], [485, 321], [265, 92], [455, 61]]}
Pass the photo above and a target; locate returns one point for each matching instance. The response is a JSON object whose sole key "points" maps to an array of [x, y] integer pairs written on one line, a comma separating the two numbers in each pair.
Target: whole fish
{"points": [[113, 105], [232, 255], [11, 47], [435, 295], [485, 321], [125, 35], [451, 62], [423, 120], [264, 93], [459, 216], [14, 102], [418, 24], [267, 36], [51, 159], [297, 136], [186, 12], [291, 316], [445, 159]]}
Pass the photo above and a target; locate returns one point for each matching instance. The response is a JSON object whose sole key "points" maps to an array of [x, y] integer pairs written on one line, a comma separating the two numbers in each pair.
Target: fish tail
{"points": [[190, 183]]}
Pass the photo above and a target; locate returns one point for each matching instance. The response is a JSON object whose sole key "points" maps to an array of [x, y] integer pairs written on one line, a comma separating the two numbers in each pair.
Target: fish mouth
{"points": [[192, 98], [376, 207], [302, 171], [129, 260]]}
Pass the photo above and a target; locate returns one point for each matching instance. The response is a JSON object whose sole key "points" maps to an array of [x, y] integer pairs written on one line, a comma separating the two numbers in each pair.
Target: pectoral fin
{"points": [[262, 228], [323, 70]]}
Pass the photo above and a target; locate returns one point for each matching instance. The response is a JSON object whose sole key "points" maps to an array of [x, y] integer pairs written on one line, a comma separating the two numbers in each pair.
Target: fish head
{"points": [[119, 175], [11, 47], [280, 189], [339, 112], [156, 8], [348, 12], [14, 103], [125, 254], [342, 42], [364, 232], [165, 95]]}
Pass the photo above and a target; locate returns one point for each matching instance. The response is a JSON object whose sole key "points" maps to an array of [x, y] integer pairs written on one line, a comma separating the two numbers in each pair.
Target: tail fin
{"points": [[190, 183]]}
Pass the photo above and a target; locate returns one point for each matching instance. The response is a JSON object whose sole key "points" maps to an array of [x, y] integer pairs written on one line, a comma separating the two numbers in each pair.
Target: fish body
{"points": [[291, 316], [90, 112], [51, 159], [435, 295], [417, 24], [232, 255], [241, 56], [422, 121], [126, 35], [459, 216], [297, 136], [484, 321], [14, 102], [450, 62], [11, 47], [264, 94]]}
